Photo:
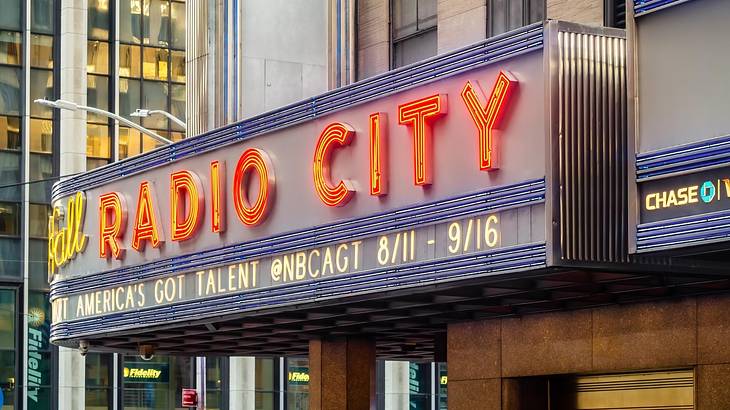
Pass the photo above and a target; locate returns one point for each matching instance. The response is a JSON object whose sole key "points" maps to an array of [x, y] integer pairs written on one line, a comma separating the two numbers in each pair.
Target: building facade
{"points": [[572, 348]]}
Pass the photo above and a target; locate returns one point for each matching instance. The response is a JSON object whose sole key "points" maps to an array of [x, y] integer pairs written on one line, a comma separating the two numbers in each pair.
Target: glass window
{"points": [[177, 136], [177, 106], [9, 220], [414, 31], [9, 251], [129, 142], [97, 54], [414, 49], [506, 15], [130, 21], [129, 97], [178, 26], [10, 90], [10, 18], [98, 380], [156, 24], [154, 97], [149, 143], [41, 169], [213, 386], [38, 214], [266, 381], [97, 141], [154, 66], [41, 136], [41, 16], [9, 133], [97, 95], [442, 386], [10, 48], [163, 391], [297, 385], [41, 51], [41, 86], [130, 60], [98, 19], [419, 385], [7, 330], [38, 264], [177, 66], [9, 174]]}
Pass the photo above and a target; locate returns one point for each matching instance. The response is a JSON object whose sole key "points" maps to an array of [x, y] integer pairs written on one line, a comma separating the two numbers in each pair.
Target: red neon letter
{"points": [[419, 115], [487, 118], [378, 155], [186, 204], [217, 193], [112, 220], [336, 134], [145, 221], [253, 160]]}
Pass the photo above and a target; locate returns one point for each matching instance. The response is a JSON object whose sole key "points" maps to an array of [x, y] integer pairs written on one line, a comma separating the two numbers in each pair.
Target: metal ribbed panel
{"points": [[196, 64], [592, 153]]}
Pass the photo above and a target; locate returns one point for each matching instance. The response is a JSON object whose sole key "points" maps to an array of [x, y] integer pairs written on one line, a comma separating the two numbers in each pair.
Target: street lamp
{"points": [[142, 113], [71, 106]]}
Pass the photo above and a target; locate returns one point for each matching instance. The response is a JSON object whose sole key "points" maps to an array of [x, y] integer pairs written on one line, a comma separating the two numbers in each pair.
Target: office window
{"points": [[9, 174], [41, 16], [130, 60], [10, 18], [8, 335], [506, 15], [41, 86], [615, 12], [98, 19], [41, 51], [10, 80], [10, 48], [98, 151], [97, 57], [155, 390], [178, 25], [9, 133], [413, 31]]}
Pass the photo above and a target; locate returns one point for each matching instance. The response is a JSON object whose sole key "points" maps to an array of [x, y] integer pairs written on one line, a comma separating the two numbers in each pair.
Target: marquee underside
{"points": [[408, 324]]}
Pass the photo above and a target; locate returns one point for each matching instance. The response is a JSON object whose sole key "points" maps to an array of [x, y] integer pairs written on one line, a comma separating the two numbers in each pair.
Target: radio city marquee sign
{"points": [[428, 144], [685, 195]]}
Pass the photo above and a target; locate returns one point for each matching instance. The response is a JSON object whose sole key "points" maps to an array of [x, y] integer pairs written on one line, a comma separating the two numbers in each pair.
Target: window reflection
{"points": [[97, 95], [161, 392], [41, 16], [10, 18], [130, 21], [98, 381], [9, 219], [41, 169], [38, 214], [9, 266], [9, 175], [154, 66], [41, 86], [98, 19], [10, 48], [41, 136], [178, 26], [41, 51], [177, 66], [154, 98], [9, 133], [10, 90], [156, 23], [130, 142], [129, 60], [97, 57], [98, 152], [129, 97], [177, 98]]}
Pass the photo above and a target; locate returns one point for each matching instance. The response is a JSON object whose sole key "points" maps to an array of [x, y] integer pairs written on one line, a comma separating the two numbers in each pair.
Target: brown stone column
{"points": [[342, 374]]}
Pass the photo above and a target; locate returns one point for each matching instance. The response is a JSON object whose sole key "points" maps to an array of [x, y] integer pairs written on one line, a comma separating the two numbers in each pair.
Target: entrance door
{"points": [[651, 390]]}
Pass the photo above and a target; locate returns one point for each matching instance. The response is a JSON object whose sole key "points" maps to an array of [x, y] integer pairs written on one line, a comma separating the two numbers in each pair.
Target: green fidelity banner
{"points": [[146, 372]]}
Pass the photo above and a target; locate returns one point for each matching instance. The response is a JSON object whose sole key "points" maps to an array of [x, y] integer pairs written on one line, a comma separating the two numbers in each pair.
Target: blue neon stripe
{"points": [[686, 231], [690, 157]]}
